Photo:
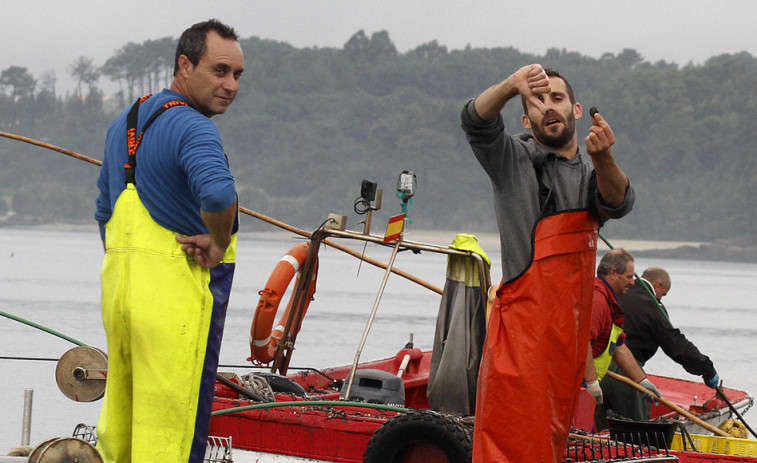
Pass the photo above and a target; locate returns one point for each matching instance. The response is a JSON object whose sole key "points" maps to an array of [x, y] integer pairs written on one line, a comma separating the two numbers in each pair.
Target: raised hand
{"points": [[600, 138], [532, 82]]}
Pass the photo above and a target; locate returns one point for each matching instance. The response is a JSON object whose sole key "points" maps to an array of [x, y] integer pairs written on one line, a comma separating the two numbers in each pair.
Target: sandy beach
{"points": [[490, 241], [732, 250]]}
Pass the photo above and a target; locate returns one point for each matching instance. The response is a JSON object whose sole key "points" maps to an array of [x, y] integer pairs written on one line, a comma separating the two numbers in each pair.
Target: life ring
{"points": [[265, 339], [420, 435]]}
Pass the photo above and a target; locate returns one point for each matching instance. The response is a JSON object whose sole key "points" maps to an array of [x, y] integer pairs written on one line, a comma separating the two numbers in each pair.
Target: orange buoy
{"points": [[265, 339]]}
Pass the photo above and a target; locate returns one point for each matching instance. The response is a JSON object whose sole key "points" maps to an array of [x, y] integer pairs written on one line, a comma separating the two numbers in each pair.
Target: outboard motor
{"points": [[376, 386]]}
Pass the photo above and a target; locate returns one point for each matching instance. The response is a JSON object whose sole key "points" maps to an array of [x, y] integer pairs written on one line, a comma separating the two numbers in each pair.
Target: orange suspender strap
{"points": [[132, 140]]}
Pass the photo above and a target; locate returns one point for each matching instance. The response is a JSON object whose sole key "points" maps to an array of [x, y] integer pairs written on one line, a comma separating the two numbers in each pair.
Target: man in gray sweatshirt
{"points": [[550, 197]]}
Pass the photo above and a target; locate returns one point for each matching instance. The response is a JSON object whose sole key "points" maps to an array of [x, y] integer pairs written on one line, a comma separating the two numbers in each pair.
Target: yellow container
{"points": [[717, 444]]}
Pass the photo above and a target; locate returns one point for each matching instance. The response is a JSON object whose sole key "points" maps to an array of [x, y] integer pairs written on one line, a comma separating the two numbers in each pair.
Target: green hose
{"points": [[40, 327], [310, 403], [335, 403]]}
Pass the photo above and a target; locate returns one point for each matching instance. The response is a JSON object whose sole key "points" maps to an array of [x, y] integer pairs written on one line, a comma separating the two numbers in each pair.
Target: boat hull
{"points": [[341, 432]]}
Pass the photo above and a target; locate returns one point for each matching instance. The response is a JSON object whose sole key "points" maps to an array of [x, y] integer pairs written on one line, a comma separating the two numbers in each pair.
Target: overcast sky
{"points": [[44, 35]]}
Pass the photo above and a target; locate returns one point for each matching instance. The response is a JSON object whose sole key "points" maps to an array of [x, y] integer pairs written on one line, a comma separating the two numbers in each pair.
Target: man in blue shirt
{"points": [[167, 212]]}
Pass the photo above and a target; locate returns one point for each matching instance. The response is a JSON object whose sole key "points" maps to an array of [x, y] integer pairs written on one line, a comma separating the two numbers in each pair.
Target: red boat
{"points": [[315, 424], [304, 415]]}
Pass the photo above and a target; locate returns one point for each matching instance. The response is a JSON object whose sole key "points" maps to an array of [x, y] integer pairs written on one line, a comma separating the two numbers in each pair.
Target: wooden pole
{"points": [[342, 248], [42, 144], [244, 210], [695, 419]]}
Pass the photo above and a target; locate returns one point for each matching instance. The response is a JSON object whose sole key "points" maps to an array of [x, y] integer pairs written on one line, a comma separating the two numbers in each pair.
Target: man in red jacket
{"points": [[607, 342], [648, 328]]}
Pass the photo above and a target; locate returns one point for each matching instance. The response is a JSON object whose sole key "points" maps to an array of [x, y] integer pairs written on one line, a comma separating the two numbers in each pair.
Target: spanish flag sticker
{"points": [[394, 228]]}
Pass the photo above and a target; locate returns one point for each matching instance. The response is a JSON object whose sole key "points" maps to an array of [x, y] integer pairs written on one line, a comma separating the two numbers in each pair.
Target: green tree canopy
{"points": [[310, 123], [20, 82]]}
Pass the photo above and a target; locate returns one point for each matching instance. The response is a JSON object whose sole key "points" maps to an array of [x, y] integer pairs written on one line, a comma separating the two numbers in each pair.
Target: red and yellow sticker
{"points": [[394, 228]]}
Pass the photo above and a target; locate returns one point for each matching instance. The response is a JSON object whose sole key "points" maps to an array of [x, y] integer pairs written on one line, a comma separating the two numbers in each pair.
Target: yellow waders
{"points": [[164, 318]]}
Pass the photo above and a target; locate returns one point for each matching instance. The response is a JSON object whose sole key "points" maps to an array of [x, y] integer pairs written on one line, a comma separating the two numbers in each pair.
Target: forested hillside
{"points": [[309, 124]]}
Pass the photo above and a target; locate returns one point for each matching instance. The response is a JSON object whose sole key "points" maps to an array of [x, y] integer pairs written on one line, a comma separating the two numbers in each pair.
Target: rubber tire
{"points": [[282, 384], [392, 439]]}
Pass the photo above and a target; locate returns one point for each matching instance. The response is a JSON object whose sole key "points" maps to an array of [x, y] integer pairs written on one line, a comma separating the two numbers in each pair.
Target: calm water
{"points": [[52, 279]]}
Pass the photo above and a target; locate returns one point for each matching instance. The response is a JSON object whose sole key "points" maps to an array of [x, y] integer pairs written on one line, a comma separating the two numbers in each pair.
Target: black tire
{"points": [[430, 431], [282, 384]]}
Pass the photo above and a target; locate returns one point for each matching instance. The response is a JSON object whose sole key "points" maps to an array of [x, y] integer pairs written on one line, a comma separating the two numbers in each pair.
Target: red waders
{"points": [[535, 349]]}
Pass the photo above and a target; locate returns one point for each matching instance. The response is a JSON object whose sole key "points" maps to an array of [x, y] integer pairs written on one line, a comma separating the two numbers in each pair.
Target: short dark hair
{"points": [[552, 73], [617, 259], [193, 43]]}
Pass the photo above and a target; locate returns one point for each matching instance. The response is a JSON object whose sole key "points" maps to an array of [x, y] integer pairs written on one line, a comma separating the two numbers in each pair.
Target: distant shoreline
{"points": [[687, 250], [723, 250], [736, 250]]}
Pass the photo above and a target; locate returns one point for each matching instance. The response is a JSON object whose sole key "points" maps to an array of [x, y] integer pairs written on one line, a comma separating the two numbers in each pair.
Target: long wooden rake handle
{"points": [[687, 414]]}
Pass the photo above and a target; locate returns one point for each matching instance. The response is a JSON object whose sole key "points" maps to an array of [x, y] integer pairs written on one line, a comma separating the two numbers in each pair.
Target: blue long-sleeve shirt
{"points": [[181, 167]]}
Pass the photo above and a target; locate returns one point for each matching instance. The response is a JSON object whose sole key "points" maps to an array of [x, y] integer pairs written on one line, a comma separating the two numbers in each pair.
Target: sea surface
{"points": [[51, 278]]}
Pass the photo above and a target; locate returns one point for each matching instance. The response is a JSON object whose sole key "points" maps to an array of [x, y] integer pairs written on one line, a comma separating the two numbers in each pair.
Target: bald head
{"points": [[660, 280]]}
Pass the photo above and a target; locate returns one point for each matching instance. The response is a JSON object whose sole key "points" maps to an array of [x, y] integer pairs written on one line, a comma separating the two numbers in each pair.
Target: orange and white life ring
{"points": [[265, 339]]}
